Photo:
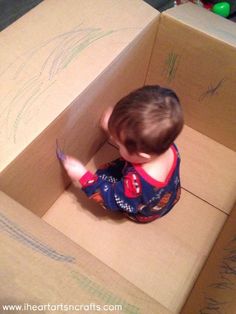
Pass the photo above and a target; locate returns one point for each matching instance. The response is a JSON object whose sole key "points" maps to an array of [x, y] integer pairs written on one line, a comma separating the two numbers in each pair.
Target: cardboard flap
{"points": [[58, 84], [57, 41], [194, 54], [42, 266]]}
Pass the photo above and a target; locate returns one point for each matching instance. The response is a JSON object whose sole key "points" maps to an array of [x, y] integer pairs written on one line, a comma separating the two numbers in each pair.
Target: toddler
{"points": [[144, 182]]}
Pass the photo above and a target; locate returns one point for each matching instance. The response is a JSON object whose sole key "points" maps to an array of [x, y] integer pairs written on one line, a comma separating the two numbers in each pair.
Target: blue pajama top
{"points": [[122, 186]]}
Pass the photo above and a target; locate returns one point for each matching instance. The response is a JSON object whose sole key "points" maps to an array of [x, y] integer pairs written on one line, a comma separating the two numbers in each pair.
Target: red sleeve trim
{"points": [[88, 178]]}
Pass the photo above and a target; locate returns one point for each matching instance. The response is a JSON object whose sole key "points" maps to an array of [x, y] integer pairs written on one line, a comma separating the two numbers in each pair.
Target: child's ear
{"points": [[144, 155], [105, 118]]}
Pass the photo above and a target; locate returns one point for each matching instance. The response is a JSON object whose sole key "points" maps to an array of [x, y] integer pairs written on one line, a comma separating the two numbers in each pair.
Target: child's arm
{"points": [[117, 196], [75, 169]]}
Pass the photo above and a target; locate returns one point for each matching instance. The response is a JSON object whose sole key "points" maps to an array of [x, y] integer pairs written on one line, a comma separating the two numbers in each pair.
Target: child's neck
{"points": [[160, 165]]}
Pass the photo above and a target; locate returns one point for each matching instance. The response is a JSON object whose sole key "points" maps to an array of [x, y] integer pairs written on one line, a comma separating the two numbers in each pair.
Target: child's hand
{"points": [[74, 168]]}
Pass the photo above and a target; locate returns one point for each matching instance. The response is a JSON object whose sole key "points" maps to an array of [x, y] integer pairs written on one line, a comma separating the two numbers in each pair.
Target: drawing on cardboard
{"points": [[226, 281], [25, 238], [25, 87], [103, 293], [59, 152], [212, 90], [171, 65]]}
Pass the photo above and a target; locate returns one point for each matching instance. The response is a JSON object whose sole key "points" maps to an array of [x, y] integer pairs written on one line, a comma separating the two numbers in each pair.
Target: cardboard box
{"points": [[78, 59], [162, 259], [62, 87]]}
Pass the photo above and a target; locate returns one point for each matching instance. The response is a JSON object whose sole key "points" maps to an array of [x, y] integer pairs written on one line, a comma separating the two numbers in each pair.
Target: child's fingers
{"points": [[70, 162]]}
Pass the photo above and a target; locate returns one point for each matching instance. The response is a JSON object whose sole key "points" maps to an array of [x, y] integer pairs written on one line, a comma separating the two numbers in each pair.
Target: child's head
{"points": [[147, 120]]}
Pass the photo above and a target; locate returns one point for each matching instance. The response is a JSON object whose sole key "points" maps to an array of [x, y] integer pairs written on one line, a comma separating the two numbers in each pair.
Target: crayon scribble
{"points": [[25, 238], [226, 281], [103, 293], [213, 306], [59, 152], [23, 97], [171, 66], [212, 90]]}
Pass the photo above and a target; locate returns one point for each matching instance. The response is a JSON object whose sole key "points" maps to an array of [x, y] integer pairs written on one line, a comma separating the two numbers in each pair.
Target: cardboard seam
{"points": [[205, 201], [153, 48]]}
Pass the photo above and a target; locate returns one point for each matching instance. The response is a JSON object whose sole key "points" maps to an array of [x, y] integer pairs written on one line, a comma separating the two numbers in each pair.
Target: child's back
{"points": [[144, 183]]}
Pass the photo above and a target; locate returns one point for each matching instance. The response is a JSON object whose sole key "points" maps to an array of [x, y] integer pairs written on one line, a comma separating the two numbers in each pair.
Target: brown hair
{"points": [[147, 120]]}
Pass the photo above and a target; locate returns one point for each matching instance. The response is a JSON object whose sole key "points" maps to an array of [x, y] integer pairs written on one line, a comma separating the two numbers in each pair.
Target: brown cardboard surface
{"points": [[67, 78], [207, 169], [58, 76], [212, 24], [41, 266], [194, 54], [162, 258], [70, 39], [215, 287]]}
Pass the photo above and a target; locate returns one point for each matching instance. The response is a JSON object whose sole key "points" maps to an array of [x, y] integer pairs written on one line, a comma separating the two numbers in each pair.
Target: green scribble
{"points": [[32, 96], [171, 65], [103, 294], [61, 50], [81, 46]]}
